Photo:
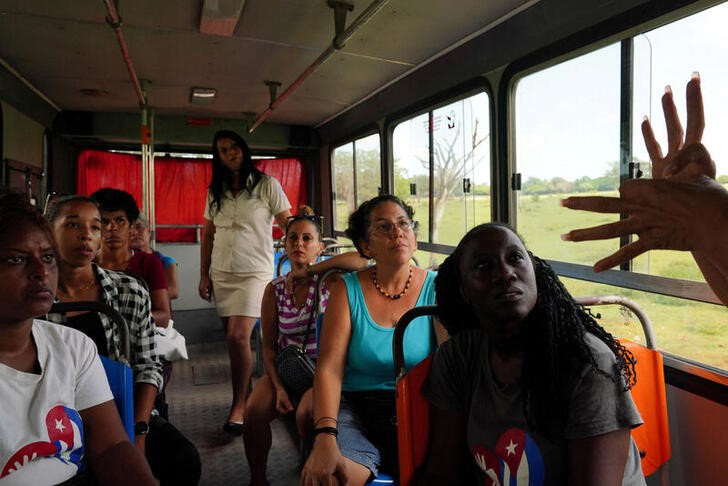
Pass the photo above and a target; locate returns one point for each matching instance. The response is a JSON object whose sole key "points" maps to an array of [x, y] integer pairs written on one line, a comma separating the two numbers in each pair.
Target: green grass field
{"points": [[694, 330]]}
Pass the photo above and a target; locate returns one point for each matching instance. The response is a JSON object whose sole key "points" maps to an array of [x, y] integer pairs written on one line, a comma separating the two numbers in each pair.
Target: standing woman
{"points": [[354, 409], [288, 317], [236, 261]]}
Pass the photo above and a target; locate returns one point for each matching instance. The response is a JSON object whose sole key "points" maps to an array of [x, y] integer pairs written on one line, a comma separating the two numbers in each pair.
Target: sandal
{"points": [[233, 428]]}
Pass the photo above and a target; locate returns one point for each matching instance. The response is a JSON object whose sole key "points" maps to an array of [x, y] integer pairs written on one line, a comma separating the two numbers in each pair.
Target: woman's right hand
{"points": [[205, 288], [283, 403], [324, 462]]}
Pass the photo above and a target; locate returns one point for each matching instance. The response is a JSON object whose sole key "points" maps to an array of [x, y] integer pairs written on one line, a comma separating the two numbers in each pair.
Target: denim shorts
{"points": [[356, 443]]}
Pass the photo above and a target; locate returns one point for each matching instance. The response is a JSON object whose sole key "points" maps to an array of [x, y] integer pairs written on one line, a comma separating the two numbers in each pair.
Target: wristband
{"points": [[309, 272], [326, 430]]}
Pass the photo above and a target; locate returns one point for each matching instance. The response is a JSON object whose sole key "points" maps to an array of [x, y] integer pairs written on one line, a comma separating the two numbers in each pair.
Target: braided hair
{"points": [[556, 349]]}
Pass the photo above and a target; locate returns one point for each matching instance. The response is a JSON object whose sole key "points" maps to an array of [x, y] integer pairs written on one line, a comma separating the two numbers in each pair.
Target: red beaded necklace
{"points": [[387, 294]]}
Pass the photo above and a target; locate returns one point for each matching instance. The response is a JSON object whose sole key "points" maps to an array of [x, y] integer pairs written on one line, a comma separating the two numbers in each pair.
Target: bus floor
{"points": [[198, 395]]}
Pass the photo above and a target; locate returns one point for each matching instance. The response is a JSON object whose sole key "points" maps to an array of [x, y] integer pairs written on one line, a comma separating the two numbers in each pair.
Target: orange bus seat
{"points": [[413, 421], [652, 437], [413, 409]]}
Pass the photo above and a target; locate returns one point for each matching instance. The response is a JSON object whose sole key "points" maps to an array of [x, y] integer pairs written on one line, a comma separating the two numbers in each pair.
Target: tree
{"points": [[449, 170]]}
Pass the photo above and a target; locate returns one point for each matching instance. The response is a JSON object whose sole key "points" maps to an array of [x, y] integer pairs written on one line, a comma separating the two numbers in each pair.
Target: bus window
{"points": [[567, 142], [452, 141], [357, 176], [667, 55]]}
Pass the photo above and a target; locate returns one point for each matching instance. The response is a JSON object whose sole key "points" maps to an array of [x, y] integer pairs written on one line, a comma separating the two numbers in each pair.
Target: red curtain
{"points": [[180, 185]]}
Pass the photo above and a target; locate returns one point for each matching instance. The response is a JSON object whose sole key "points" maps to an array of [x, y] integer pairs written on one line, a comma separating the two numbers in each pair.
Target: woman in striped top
{"points": [[287, 307]]}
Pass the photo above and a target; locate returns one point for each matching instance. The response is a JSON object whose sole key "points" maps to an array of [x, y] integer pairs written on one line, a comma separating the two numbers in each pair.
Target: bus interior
{"points": [[471, 111]]}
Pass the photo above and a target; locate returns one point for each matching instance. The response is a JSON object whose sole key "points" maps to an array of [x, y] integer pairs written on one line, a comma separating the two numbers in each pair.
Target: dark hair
{"points": [[15, 210], [556, 348], [56, 205], [305, 213], [222, 177], [109, 199], [359, 219]]}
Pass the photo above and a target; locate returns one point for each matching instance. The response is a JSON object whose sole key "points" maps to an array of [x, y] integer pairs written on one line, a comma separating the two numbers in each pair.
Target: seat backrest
{"points": [[121, 382], [652, 437], [119, 375], [413, 409]]}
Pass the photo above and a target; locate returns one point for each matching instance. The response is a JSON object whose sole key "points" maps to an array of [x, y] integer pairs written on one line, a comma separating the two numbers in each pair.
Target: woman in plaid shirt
{"points": [[76, 222]]}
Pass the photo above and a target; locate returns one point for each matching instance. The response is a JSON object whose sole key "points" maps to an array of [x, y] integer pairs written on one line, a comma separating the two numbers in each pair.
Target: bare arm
{"points": [[325, 459], [160, 307], [208, 236], [170, 271], [112, 458], [282, 219], [144, 395], [349, 261], [269, 326], [599, 460], [447, 456]]}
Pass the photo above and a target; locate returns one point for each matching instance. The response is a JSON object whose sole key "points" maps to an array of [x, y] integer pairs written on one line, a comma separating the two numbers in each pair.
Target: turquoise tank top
{"points": [[369, 362]]}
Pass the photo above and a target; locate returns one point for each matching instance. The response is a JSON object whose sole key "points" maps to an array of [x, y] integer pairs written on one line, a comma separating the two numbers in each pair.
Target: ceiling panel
{"points": [[64, 46]]}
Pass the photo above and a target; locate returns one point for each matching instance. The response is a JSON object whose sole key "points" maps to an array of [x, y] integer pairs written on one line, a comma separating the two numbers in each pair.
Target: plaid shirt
{"points": [[125, 294]]}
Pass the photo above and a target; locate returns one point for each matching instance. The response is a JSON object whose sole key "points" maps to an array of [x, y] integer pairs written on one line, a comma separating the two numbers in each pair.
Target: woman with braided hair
{"points": [[529, 386]]}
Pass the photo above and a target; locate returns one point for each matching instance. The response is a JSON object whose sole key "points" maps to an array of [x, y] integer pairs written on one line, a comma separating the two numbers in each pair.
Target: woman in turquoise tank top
{"points": [[354, 383]]}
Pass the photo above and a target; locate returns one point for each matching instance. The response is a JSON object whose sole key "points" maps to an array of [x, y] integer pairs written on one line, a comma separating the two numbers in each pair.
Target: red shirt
{"points": [[149, 268]]}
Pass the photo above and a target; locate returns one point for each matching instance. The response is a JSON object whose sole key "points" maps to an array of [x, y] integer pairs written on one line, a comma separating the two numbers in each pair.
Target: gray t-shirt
{"points": [[502, 444]]}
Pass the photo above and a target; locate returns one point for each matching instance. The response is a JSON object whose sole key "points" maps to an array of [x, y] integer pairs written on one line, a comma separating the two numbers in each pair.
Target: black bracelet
{"points": [[321, 419], [326, 430]]}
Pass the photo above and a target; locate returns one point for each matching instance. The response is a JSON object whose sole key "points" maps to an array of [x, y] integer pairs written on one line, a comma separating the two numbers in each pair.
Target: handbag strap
{"points": [[312, 316]]}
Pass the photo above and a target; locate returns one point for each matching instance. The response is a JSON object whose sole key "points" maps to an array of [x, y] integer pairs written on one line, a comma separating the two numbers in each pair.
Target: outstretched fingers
{"points": [[672, 122], [622, 227], [624, 254], [696, 114], [653, 147]]}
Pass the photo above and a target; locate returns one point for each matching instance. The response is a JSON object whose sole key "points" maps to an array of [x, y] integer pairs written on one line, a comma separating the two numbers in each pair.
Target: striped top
{"points": [[293, 322]]}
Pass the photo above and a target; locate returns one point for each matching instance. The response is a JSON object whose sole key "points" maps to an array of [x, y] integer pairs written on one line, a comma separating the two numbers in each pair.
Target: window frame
{"points": [[460, 92], [572, 48]]}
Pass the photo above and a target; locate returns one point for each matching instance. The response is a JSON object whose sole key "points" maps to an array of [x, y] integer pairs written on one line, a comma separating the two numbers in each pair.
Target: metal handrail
{"points": [[398, 338], [650, 340]]}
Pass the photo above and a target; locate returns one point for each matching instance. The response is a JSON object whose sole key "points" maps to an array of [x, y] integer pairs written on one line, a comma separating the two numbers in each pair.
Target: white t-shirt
{"points": [[41, 433], [243, 232]]}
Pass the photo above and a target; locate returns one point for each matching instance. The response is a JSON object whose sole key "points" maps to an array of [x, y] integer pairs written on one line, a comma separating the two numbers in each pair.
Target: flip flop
{"points": [[233, 428]]}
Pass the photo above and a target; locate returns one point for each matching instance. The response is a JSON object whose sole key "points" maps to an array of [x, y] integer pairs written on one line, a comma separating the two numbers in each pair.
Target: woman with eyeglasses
{"points": [[354, 407], [236, 253], [288, 316]]}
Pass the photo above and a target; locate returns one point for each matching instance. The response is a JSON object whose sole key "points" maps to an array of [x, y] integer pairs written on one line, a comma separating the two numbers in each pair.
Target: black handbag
{"points": [[295, 368]]}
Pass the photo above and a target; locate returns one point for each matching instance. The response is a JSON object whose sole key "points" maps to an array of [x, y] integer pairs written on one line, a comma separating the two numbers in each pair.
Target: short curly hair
{"points": [[15, 209], [359, 219]]}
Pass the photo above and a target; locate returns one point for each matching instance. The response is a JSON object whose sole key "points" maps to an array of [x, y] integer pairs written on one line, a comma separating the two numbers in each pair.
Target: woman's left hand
{"points": [[283, 402], [295, 276]]}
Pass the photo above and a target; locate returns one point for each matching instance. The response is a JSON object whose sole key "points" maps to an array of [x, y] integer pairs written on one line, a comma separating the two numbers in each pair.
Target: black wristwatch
{"points": [[141, 428]]}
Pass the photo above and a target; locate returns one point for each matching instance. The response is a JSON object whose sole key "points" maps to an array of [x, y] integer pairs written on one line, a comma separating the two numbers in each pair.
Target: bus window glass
{"points": [[457, 149], [567, 142], [411, 148], [368, 168], [667, 56], [357, 176], [343, 186], [688, 329]]}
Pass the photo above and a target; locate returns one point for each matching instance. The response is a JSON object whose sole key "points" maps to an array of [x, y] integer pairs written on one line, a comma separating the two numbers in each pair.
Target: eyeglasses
{"points": [[306, 217], [385, 227]]}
